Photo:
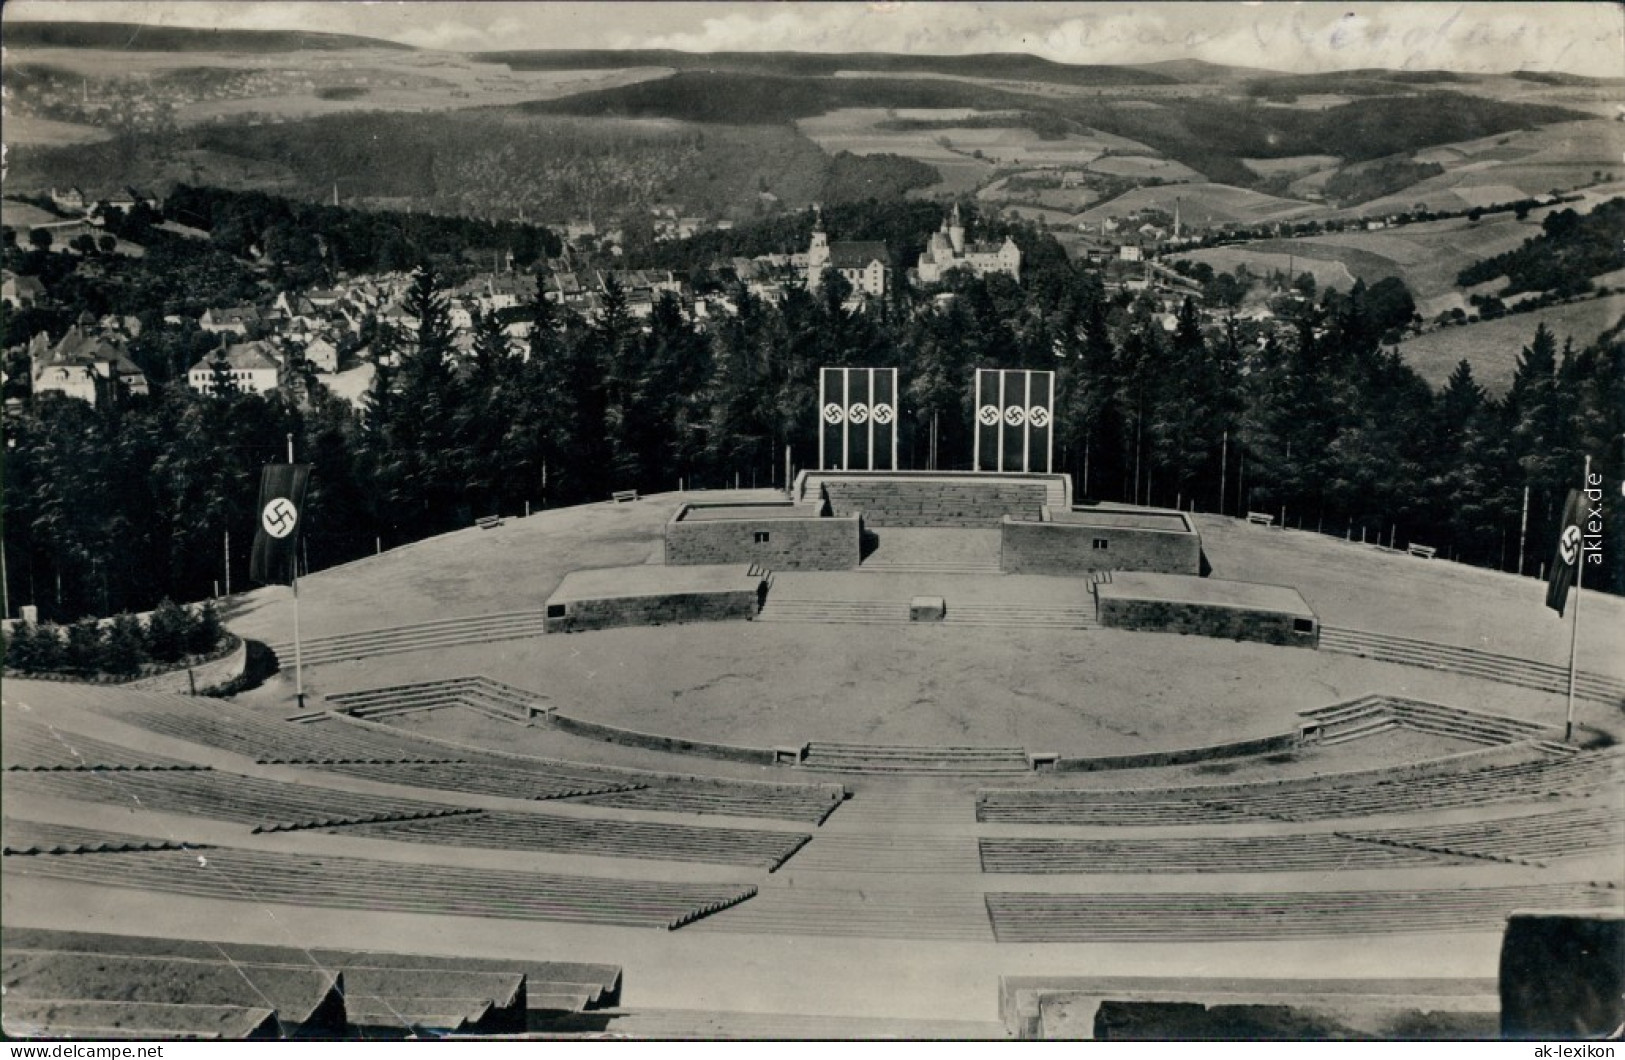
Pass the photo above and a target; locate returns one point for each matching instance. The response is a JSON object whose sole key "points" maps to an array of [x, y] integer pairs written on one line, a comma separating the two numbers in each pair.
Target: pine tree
{"points": [[123, 649], [204, 629], [167, 627], [83, 652]]}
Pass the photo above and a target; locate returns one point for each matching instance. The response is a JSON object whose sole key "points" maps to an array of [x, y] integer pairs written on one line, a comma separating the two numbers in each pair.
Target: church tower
{"points": [[817, 252]]}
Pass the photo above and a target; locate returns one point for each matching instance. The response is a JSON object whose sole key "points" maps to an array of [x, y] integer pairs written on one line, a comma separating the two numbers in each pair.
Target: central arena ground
{"points": [[1080, 692]]}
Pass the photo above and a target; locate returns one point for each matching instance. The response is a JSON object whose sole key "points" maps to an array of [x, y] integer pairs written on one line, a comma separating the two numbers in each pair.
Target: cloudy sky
{"points": [[1583, 38]]}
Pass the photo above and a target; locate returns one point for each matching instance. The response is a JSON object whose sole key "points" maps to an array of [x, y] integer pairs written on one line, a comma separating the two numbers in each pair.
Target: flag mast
{"points": [[298, 650], [1574, 632]]}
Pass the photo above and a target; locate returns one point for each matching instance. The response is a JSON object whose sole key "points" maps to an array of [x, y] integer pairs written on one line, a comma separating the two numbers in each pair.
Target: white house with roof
{"points": [[230, 320], [85, 365], [322, 354], [20, 292], [255, 367]]}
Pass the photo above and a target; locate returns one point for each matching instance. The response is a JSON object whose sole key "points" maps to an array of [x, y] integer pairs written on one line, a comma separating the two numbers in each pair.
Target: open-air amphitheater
{"points": [[881, 755]]}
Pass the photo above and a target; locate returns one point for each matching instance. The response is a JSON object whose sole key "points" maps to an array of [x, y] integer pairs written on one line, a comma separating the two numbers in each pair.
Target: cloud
{"points": [[1586, 38]]}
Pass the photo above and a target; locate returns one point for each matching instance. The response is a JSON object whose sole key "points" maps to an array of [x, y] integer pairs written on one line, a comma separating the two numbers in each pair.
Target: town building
{"points": [[86, 365], [863, 264], [947, 250], [255, 367]]}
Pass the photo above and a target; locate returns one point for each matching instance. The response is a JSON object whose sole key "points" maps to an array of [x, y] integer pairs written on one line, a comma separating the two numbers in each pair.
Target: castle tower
{"points": [[817, 252], [956, 233]]}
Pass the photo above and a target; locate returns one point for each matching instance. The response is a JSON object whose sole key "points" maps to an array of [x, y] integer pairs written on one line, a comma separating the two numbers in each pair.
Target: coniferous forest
{"points": [[114, 508]]}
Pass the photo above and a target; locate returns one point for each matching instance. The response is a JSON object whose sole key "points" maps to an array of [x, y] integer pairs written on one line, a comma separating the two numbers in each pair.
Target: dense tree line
{"points": [[122, 647], [113, 509], [1570, 250]]}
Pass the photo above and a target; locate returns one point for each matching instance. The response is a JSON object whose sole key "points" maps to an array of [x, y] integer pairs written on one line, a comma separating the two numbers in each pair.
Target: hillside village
{"points": [[299, 336]]}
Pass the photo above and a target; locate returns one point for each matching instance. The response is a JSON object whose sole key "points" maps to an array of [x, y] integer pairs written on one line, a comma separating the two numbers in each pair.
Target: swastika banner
{"points": [[281, 517], [1015, 420], [857, 412]]}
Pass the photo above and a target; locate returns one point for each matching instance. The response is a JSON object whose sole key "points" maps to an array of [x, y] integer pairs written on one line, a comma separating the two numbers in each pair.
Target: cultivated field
{"points": [[862, 131], [284, 86], [23, 216], [1144, 168], [1517, 165], [1492, 346], [43, 132], [1427, 256], [1203, 204]]}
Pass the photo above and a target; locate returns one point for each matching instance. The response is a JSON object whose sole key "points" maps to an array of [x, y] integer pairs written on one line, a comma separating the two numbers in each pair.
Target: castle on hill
{"points": [[948, 250]]}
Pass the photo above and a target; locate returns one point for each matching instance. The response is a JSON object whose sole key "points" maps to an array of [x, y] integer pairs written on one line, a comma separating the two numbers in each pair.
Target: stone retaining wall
{"points": [[668, 609], [774, 542], [1071, 548], [593, 730], [1208, 620], [1183, 756]]}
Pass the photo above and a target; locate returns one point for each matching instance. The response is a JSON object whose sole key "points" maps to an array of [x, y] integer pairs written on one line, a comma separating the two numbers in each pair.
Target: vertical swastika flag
{"points": [[857, 414], [1015, 419], [280, 517], [1566, 560]]}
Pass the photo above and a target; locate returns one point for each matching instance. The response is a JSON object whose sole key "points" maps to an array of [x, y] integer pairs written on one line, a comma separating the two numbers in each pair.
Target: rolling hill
{"points": [[134, 36]]}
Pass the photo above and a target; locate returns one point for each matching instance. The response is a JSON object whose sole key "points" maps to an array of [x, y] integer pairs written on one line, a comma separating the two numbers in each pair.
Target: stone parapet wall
{"points": [[211, 674], [1070, 548], [774, 542], [1207, 620], [593, 730], [668, 609]]}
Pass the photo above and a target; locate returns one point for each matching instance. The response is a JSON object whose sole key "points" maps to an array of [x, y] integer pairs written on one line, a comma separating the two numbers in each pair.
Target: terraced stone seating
{"points": [[870, 758], [1276, 853], [485, 777], [478, 692], [1351, 795], [1536, 839], [399, 1001], [385, 994], [418, 636], [308, 1002], [553, 833], [27, 1018], [1210, 917], [934, 502], [361, 883], [241, 730], [1373, 714], [1532, 781], [35, 837], [270, 806], [31, 747], [1504, 669], [811, 803], [858, 912]]}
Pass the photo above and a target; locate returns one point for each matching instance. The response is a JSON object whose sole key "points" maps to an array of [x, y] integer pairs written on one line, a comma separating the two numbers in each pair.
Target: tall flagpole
{"points": [[1574, 632], [298, 649], [298, 653]]}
